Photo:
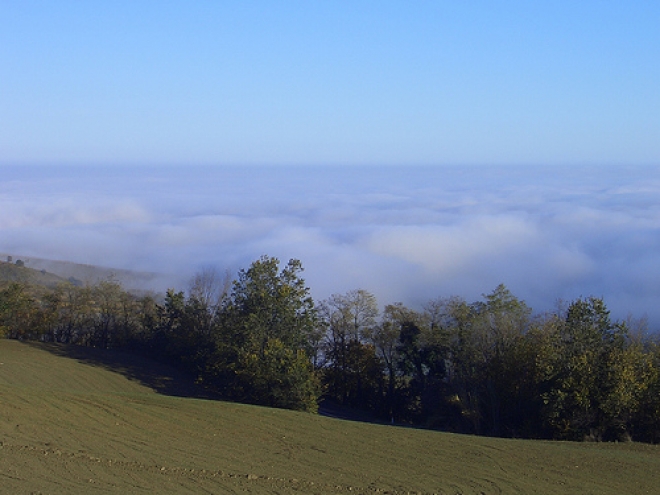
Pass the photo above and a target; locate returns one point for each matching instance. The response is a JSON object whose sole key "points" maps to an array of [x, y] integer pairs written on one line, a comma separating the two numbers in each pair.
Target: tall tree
{"points": [[266, 303], [262, 339], [71, 308], [397, 342], [20, 314], [351, 366], [483, 356], [580, 375]]}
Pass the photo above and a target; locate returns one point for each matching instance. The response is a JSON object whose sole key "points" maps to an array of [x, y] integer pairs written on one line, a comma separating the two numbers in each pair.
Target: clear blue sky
{"points": [[296, 82]]}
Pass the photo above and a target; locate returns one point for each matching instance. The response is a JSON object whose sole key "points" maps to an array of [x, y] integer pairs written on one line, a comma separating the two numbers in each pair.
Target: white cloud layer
{"points": [[407, 234]]}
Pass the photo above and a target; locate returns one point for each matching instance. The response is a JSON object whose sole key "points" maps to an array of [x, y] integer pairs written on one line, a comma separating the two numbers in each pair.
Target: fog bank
{"points": [[406, 234]]}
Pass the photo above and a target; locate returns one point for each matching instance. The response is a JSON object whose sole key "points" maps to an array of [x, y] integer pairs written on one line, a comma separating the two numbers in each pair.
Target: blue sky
{"points": [[294, 82]]}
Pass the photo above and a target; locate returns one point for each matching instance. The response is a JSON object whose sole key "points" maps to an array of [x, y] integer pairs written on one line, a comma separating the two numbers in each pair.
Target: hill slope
{"points": [[12, 273], [72, 425], [88, 274]]}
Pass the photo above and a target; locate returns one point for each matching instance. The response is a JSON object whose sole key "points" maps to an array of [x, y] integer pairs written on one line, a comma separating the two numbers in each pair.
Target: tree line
{"points": [[489, 367]]}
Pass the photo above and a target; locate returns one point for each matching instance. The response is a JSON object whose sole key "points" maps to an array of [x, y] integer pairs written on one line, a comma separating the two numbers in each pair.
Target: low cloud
{"points": [[406, 234], [449, 250]]}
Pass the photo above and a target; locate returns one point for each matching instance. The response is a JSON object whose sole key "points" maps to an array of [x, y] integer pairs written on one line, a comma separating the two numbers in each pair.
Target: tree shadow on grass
{"points": [[332, 409], [168, 380], [162, 378]]}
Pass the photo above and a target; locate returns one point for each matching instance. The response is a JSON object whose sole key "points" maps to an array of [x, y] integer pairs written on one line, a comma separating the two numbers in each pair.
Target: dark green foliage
{"points": [[481, 344], [645, 417], [20, 313], [250, 345], [486, 367], [353, 373], [268, 304], [277, 376], [584, 373], [354, 376], [262, 338]]}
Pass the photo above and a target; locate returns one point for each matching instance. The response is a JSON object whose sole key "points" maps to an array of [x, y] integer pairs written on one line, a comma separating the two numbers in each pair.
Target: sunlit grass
{"points": [[69, 426]]}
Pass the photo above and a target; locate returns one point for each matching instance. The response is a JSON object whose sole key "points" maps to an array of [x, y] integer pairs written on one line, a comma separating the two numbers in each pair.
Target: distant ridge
{"points": [[12, 272], [55, 271]]}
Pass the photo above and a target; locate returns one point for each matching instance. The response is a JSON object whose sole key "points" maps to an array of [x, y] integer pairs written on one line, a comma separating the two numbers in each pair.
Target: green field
{"points": [[75, 420]]}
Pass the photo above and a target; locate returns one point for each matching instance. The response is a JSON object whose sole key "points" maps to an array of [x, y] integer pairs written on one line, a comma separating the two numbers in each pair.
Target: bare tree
{"points": [[209, 287]]}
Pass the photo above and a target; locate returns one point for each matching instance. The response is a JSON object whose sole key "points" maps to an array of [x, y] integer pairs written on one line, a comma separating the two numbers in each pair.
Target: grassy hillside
{"points": [[81, 421], [49, 272], [10, 272]]}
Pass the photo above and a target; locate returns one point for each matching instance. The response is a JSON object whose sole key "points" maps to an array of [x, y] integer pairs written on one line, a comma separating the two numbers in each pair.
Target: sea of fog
{"points": [[407, 234]]}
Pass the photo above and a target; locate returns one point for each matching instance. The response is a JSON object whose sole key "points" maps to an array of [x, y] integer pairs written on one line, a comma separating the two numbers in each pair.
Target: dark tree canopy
{"points": [[484, 367]]}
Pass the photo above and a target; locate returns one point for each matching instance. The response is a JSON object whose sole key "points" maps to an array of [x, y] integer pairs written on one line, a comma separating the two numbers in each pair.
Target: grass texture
{"points": [[83, 421]]}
